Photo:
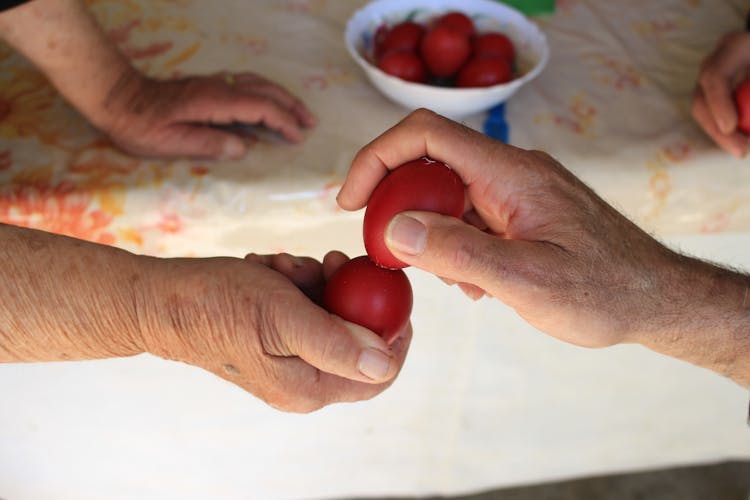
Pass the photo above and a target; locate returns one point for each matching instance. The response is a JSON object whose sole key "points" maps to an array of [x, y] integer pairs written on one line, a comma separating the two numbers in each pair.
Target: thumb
{"points": [[338, 347], [450, 248], [206, 142]]}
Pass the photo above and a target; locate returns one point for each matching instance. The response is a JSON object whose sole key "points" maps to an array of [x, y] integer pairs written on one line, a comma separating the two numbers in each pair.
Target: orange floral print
{"points": [[56, 208], [26, 97]]}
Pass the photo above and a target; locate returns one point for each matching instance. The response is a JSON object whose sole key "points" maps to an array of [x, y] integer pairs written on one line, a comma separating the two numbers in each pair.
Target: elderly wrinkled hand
{"points": [[184, 117], [255, 323]]}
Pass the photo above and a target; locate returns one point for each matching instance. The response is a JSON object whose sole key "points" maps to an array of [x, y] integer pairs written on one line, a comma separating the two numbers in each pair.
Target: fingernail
{"points": [[373, 364], [233, 149], [406, 234]]}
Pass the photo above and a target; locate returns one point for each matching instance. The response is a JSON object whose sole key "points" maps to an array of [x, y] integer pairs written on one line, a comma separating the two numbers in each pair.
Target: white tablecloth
{"points": [[483, 400]]}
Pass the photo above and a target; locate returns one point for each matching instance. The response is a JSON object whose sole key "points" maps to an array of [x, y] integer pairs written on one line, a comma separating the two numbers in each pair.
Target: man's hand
{"points": [[713, 105], [538, 239], [173, 118]]}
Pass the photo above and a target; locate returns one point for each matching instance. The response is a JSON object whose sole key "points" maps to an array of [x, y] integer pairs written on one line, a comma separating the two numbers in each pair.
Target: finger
{"points": [[424, 133], [226, 105], [252, 109], [260, 259], [305, 272], [304, 388], [473, 218], [734, 143], [717, 94], [332, 261], [253, 84], [197, 141], [300, 328], [718, 75], [448, 247], [472, 291]]}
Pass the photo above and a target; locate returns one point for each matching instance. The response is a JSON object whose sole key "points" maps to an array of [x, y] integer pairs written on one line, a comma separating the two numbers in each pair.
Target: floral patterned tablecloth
{"points": [[612, 105], [472, 408]]}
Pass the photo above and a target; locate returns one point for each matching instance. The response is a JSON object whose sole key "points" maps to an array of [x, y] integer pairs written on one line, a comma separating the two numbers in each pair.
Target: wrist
{"points": [[118, 101], [184, 303], [703, 316]]}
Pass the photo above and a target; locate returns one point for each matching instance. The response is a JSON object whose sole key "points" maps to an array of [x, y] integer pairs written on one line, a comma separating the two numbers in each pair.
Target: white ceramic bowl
{"points": [[532, 52]]}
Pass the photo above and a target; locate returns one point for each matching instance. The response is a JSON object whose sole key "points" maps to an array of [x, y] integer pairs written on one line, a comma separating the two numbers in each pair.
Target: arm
{"points": [[549, 247], [246, 321], [143, 115], [63, 40]]}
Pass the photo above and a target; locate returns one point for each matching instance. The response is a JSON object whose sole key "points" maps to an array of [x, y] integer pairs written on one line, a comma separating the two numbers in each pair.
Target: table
{"points": [[484, 400]]}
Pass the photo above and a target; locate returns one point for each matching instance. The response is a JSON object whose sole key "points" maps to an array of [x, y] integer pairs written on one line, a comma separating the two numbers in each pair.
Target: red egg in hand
{"points": [[742, 100], [423, 184], [370, 296]]}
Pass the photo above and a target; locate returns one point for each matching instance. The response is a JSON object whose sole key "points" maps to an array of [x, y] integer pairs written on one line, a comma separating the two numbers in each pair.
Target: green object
{"points": [[532, 7]]}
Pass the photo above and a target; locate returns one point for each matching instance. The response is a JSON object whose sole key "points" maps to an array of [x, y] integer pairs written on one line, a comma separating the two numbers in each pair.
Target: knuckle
{"points": [[708, 79], [467, 256], [424, 115], [543, 155]]}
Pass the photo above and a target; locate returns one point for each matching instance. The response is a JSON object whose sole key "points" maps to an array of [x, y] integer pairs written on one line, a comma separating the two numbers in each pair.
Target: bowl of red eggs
{"points": [[455, 58]]}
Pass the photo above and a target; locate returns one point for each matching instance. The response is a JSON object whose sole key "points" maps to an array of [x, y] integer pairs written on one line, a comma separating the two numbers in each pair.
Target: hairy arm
{"points": [[704, 318], [565, 260]]}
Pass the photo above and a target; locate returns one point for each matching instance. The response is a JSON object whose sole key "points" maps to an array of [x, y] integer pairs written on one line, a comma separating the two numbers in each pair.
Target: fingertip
{"points": [[233, 148], [473, 292], [345, 201], [406, 235], [293, 134], [253, 257], [306, 118], [375, 361]]}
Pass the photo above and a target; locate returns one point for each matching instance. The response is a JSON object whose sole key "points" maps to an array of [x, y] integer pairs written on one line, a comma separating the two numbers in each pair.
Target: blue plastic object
{"points": [[495, 125]]}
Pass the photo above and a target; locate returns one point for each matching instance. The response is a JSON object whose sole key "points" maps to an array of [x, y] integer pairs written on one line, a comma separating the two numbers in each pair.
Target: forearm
{"points": [[705, 319], [66, 299], [64, 41]]}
